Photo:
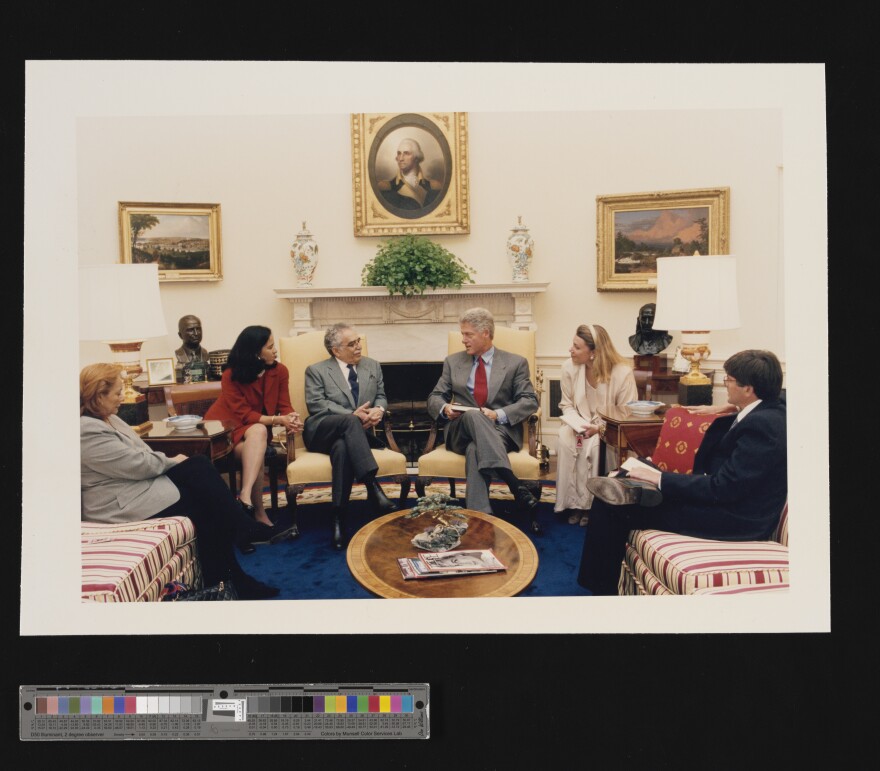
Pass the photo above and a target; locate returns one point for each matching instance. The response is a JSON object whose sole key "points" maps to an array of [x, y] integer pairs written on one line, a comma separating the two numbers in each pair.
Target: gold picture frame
{"points": [[632, 230], [385, 204], [160, 372], [183, 239]]}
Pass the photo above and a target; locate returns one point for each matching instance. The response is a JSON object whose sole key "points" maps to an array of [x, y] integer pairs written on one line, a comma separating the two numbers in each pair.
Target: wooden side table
{"points": [[625, 431], [212, 438]]}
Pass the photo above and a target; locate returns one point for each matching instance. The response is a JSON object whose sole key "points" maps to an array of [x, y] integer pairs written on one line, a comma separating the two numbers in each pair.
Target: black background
{"points": [[507, 701]]}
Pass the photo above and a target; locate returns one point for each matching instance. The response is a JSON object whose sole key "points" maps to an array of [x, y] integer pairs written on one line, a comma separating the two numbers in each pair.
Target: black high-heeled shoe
{"points": [[248, 508]]}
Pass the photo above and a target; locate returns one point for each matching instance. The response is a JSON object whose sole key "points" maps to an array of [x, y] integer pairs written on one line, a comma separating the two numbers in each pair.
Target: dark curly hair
{"points": [[244, 357]]}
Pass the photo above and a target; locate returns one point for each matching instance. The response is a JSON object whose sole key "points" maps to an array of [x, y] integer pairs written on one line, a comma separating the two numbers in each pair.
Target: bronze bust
{"points": [[189, 329], [647, 340]]}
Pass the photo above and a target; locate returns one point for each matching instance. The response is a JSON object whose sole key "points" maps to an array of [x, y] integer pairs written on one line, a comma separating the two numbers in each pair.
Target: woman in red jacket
{"points": [[254, 394]]}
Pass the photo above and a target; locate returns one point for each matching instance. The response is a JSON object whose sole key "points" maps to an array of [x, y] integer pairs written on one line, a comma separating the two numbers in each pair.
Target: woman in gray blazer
{"points": [[123, 480]]}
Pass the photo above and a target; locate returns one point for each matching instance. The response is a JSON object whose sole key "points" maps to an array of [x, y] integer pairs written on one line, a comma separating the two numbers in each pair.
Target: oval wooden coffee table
{"points": [[374, 549]]}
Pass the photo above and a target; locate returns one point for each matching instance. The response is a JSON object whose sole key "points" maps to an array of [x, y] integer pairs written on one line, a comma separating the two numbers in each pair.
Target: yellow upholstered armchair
{"points": [[440, 462], [304, 467]]}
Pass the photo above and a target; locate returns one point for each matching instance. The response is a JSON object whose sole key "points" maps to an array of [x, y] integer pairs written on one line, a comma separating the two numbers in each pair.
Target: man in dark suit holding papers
{"points": [[496, 386], [736, 492]]}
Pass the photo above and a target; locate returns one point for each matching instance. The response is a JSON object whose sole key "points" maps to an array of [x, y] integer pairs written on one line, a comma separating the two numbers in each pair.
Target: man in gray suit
{"points": [[345, 397], [496, 384]]}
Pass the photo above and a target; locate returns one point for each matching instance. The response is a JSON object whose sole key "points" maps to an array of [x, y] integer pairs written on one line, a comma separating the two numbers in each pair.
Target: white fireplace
{"points": [[408, 328]]}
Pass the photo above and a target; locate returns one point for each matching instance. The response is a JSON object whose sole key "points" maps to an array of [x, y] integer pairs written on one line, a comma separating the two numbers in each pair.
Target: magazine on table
{"points": [[450, 563], [462, 560]]}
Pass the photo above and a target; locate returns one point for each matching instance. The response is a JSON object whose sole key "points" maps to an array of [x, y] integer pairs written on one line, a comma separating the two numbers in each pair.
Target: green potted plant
{"points": [[410, 264]]}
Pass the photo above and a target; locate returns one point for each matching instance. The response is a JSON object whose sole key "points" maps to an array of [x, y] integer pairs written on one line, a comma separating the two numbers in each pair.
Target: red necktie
{"points": [[481, 389]]}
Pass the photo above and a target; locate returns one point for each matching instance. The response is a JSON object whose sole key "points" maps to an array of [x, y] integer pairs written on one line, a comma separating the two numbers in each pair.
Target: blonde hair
{"points": [[95, 381], [598, 340]]}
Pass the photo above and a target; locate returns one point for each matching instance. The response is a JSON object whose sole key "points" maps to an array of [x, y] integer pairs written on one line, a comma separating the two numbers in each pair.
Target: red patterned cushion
{"points": [[679, 440]]}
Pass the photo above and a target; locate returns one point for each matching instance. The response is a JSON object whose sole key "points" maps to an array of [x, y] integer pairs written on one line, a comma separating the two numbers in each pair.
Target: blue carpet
{"points": [[309, 568]]}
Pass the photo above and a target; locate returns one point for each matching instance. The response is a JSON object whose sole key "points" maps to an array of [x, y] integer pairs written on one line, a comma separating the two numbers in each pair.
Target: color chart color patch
{"points": [[293, 711]]}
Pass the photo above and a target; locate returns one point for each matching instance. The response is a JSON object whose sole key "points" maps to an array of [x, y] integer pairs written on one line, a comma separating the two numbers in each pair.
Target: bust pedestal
{"points": [[690, 395]]}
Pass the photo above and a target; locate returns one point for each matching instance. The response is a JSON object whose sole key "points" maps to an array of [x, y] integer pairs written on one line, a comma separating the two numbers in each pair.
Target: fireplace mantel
{"points": [[314, 308]]}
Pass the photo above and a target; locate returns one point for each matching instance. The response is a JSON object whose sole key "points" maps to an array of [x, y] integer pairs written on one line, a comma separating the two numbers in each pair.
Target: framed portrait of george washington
{"points": [[410, 173]]}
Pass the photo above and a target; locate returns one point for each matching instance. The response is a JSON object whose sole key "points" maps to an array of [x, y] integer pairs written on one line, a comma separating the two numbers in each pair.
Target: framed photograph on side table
{"points": [[160, 371], [410, 173], [183, 239], [633, 230]]}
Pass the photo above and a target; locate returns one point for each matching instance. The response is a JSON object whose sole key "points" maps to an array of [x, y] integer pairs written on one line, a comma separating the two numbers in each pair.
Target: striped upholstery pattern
{"points": [[131, 562], [668, 563], [744, 589], [679, 440]]}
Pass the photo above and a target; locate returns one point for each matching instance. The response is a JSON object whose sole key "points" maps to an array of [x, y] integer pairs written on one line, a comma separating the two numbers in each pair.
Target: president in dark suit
{"points": [[497, 385], [345, 397], [736, 492]]}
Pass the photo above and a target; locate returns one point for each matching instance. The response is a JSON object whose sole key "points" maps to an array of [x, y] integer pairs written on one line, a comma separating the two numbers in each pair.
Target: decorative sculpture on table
{"points": [[648, 341], [304, 253], [520, 246], [451, 523], [189, 330]]}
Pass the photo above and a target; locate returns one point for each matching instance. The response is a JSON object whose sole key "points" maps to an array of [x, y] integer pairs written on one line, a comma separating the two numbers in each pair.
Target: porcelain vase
{"points": [[304, 253], [520, 246]]}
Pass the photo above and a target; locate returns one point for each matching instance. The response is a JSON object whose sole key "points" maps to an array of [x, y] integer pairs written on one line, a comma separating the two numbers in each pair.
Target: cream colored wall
{"points": [[269, 173]]}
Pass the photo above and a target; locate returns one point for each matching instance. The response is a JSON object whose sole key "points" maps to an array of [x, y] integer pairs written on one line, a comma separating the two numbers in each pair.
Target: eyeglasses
{"points": [[353, 344], [727, 380]]}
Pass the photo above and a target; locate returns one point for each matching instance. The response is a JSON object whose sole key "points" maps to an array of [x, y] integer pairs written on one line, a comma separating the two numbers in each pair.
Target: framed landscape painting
{"points": [[182, 239], [634, 229], [410, 173]]}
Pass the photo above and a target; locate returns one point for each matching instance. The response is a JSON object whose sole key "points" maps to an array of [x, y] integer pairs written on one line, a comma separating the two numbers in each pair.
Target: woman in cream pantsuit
{"points": [[596, 377]]}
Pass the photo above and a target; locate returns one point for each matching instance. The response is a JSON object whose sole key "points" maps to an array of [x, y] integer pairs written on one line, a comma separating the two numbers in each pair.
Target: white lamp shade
{"points": [[120, 303], [697, 293]]}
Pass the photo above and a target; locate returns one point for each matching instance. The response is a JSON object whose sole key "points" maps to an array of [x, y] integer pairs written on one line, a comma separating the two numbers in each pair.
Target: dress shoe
{"points": [[585, 520], [285, 527], [525, 501], [622, 492], [272, 534], [379, 502], [338, 536]]}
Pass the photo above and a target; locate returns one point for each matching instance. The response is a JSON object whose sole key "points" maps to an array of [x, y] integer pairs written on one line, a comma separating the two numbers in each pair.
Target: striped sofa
{"points": [[657, 562], [131, 562]]}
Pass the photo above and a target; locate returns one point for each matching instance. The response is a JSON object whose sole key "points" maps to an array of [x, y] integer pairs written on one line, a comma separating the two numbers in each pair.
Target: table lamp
{"points": [[696, 295], [119, 305]]}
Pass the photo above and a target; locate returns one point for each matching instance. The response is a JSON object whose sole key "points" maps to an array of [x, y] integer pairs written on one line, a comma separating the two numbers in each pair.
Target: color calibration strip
{"points": [[307, 711]]}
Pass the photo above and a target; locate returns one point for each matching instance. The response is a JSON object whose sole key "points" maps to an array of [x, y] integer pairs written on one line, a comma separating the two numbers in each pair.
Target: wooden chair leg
{"points": [[292, 492], [420, 483], [451, 487], [273, 487], [404, 489]]}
